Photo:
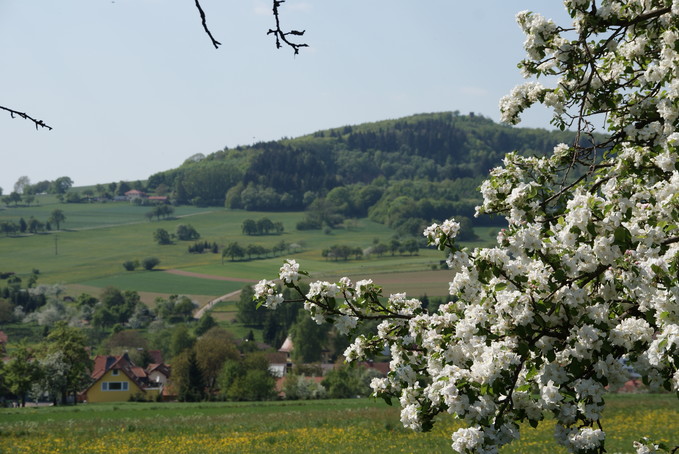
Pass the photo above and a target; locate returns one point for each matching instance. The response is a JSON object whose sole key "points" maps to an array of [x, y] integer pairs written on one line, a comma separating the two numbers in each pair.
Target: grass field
{"points": [[98, 237], [161, 282], [341, 426]]}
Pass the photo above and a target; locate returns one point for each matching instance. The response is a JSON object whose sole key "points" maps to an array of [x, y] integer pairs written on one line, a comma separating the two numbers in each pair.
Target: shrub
{"points": [[150, 262], [162, 236], [130, 265], [298, 387]]}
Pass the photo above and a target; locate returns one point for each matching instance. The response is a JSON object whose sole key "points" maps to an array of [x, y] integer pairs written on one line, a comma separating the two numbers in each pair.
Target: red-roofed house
{"points": [[158, 373], [279, 363], [117, 379], [156, 356], [134, 194]]}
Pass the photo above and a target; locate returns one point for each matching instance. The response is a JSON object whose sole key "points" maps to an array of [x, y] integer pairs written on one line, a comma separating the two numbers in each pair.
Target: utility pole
{"points": [[56, 248]]}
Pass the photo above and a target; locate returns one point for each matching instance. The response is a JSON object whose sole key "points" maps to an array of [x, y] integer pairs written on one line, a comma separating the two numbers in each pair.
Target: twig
{"points": [[25, 116], [207, 30], [281, 35]]}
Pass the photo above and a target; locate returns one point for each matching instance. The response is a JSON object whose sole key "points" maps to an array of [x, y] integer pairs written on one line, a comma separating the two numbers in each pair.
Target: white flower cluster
{"points": [[289, 271], [584, 276], [266, 292], [436, 233], [521, 97]]}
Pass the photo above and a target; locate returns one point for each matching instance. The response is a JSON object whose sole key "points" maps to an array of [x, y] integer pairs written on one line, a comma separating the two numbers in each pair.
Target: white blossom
{"points": [[289, 271], [581, 284], [467, 439]]}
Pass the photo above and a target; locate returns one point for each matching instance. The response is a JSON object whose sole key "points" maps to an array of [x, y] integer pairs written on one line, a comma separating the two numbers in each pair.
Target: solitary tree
{"points": [[233, 250], [187, 232], [57, 217], [21, 372], [61, 185], [150, 262], [187, 377], [21, 184], [162, 236], [66, 360], [213, 349], [13, 197], [584, 276], [249, 227]]}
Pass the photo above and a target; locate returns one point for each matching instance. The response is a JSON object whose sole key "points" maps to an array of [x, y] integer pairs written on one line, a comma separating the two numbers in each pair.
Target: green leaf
{"points": [[523, 349], [532, 373], [622, 238]]}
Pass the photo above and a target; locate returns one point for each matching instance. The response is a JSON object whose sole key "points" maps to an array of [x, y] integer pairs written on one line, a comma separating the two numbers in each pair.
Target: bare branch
{"points": [[25, 116], [281, 35], [207, 30]]}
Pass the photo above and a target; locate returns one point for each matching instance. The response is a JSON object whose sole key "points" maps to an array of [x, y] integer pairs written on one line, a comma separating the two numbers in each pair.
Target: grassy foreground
{"points": [[343, 426]]}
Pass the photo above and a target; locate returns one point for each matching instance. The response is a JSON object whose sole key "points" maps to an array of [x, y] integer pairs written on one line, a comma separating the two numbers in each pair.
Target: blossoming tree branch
{"points": [[584, 277]]}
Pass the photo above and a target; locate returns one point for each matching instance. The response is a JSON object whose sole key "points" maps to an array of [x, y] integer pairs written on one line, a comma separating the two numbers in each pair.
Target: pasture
{"points": [[342, 426], [97, 238]]}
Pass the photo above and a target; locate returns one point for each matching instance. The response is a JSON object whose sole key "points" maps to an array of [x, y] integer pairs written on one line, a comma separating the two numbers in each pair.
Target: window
{"points": [[115, 372], [114, 386]]}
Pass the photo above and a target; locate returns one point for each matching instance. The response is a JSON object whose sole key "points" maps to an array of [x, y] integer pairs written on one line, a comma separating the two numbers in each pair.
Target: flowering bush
{"points": [[584, 277]]}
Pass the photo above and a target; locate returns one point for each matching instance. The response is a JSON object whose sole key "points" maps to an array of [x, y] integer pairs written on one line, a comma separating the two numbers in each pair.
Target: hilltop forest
{"points": [[404, 172]]}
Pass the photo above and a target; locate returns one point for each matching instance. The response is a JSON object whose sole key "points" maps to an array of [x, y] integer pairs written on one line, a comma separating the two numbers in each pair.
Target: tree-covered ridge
{"points": [[290, 174]]}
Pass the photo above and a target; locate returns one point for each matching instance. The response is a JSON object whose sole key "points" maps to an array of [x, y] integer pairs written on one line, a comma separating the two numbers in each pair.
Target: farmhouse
{"points": [[158, 373], [134, 194], [279, 364], [118, 379]]}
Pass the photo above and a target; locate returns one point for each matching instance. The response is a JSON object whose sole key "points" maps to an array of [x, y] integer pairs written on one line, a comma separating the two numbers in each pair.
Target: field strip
{"points": [[208, 276], [95, 227]]}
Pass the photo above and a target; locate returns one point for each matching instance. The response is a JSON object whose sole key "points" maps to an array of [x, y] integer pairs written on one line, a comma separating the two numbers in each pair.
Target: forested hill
{"points": [[362, 169]]}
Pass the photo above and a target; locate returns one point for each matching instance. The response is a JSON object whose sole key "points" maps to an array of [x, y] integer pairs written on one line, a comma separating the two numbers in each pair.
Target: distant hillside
{"points": [[427, 166]]}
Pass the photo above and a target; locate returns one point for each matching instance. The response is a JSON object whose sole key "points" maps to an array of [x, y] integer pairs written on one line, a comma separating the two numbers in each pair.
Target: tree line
{"points": [[451, 150], [33, 225]]}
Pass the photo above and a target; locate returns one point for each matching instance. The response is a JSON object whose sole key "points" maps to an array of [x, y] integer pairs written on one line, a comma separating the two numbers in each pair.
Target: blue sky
{"points": [[132, 87]]}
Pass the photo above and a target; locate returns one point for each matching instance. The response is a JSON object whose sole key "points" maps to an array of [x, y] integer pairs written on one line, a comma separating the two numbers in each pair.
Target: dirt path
{"points": [[200, 312], [210, 304], [209, 276]]}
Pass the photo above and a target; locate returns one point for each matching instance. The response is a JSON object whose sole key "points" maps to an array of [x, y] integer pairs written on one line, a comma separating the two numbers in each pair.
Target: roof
{"points": [[156, 356], [138, 372], [277, 358], [160, 368], [138, 375], [381, 367], [287, 346], [104, 363]]}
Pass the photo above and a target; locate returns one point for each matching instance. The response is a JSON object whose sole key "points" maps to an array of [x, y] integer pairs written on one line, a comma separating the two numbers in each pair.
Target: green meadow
{"points": [[97, 238], [343, 426], [160, 282]]}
